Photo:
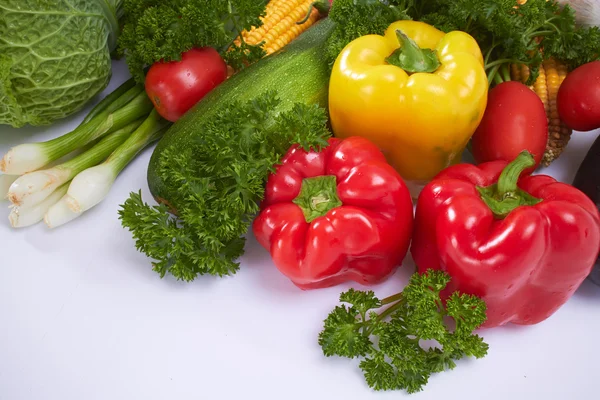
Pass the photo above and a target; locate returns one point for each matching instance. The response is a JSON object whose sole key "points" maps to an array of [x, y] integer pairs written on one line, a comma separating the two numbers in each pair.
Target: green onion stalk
{"points": [[34, 187], [30, 157], [57, 180], [92, 185]]}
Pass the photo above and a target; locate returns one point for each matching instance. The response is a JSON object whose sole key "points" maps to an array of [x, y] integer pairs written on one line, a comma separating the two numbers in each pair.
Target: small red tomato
{"points": [[514, 120], [174, 87], [579, 98]]}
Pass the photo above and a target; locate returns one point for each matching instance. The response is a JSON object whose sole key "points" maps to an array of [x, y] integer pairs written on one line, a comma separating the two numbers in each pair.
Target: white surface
{"points": [[83, 317]]}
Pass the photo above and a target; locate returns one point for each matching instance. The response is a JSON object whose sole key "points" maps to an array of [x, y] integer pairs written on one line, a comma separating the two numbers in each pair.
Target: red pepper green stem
{"points": [[318, 196], [507, 182], [411, 58], [505, 195]]}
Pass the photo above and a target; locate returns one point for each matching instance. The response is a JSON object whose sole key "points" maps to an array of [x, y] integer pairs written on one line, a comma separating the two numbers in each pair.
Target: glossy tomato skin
{"points": [[579, 98], [514, 120], [174, 87]]}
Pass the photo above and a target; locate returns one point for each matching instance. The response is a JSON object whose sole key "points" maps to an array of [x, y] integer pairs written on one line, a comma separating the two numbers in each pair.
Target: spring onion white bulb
{"points": [[34, 187], [24, 158], [587, 12], [20, 217], [87, 189], [33, 156], [59, 214], [5, 182], [91, 186]]}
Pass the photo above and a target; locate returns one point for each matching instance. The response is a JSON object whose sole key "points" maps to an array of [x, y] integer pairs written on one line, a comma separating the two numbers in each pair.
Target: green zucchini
{"points": [[299, 73]]}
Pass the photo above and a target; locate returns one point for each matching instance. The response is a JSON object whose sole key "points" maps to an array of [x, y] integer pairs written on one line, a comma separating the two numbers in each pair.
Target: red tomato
{"points": [[514, 120], [174, 87], [579, 98]]}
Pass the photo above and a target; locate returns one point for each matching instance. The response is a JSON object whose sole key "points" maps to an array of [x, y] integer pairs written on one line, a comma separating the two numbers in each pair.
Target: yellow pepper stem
{"points": [[411, 58]]}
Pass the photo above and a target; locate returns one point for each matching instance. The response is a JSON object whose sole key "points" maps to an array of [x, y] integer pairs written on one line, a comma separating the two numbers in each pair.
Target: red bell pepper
{"points": [[523, 245], [339, 214]]}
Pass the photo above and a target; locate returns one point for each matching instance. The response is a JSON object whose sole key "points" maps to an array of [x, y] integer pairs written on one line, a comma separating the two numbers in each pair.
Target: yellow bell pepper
{"points": [[419, 101]]}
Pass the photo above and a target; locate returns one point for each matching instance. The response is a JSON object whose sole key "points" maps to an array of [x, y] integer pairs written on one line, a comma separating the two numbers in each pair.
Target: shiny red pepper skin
{"points": [[525, 266], [364, 240]]}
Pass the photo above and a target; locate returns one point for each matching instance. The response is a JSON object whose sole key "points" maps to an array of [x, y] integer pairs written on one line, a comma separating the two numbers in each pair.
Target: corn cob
{"points": [[552, 74], [279, 24]]}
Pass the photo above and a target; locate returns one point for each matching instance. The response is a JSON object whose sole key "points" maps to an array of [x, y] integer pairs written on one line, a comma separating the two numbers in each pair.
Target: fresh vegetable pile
{"points": [[317, 126], [211, 168], [181, 70]]}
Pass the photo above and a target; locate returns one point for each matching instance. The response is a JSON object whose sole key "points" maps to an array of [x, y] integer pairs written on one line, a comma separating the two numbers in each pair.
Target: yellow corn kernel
{"points": [[540, 87], [552, 74], [279, 24]]}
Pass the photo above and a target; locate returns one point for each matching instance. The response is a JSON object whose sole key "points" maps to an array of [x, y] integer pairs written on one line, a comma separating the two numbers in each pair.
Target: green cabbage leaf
{"points": [[54, 57]]}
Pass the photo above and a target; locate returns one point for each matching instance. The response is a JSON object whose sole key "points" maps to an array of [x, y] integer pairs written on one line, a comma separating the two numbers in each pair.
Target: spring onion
{"points": [[5, 182], [20, 217], [130, 106], [113, 101], [92, 185], [33, 187]]}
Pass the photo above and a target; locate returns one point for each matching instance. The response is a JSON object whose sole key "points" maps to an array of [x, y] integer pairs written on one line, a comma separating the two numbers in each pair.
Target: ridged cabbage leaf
{"points": [[54, 57]]}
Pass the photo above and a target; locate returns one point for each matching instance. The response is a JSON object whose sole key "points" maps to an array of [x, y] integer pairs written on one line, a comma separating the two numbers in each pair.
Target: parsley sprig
{"points": [[156, 30], [221, 179], [527, 34], [399, 324]]}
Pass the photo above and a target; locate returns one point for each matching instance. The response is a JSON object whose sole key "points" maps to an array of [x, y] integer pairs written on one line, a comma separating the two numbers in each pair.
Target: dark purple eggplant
{"points": [[587, 180]]}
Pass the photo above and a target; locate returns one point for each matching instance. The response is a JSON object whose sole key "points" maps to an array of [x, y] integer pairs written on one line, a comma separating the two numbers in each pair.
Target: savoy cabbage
{"points": [[54, 56]]}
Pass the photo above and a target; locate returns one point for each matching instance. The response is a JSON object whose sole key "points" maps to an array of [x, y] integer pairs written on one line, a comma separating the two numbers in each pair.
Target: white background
{"points": [[83, 317]]}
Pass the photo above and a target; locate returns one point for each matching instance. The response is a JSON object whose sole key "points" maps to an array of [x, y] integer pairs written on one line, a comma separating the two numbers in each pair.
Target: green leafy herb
{"points": [[527, 34], [221, 177], [156, 30], [400, 360]]}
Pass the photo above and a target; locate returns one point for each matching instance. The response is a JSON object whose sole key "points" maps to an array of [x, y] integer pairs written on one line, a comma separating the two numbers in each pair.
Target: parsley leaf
{"points": [[527, 34], [343, 336], [156, 30], [400, 360], [361, 301], [221, 179]]}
